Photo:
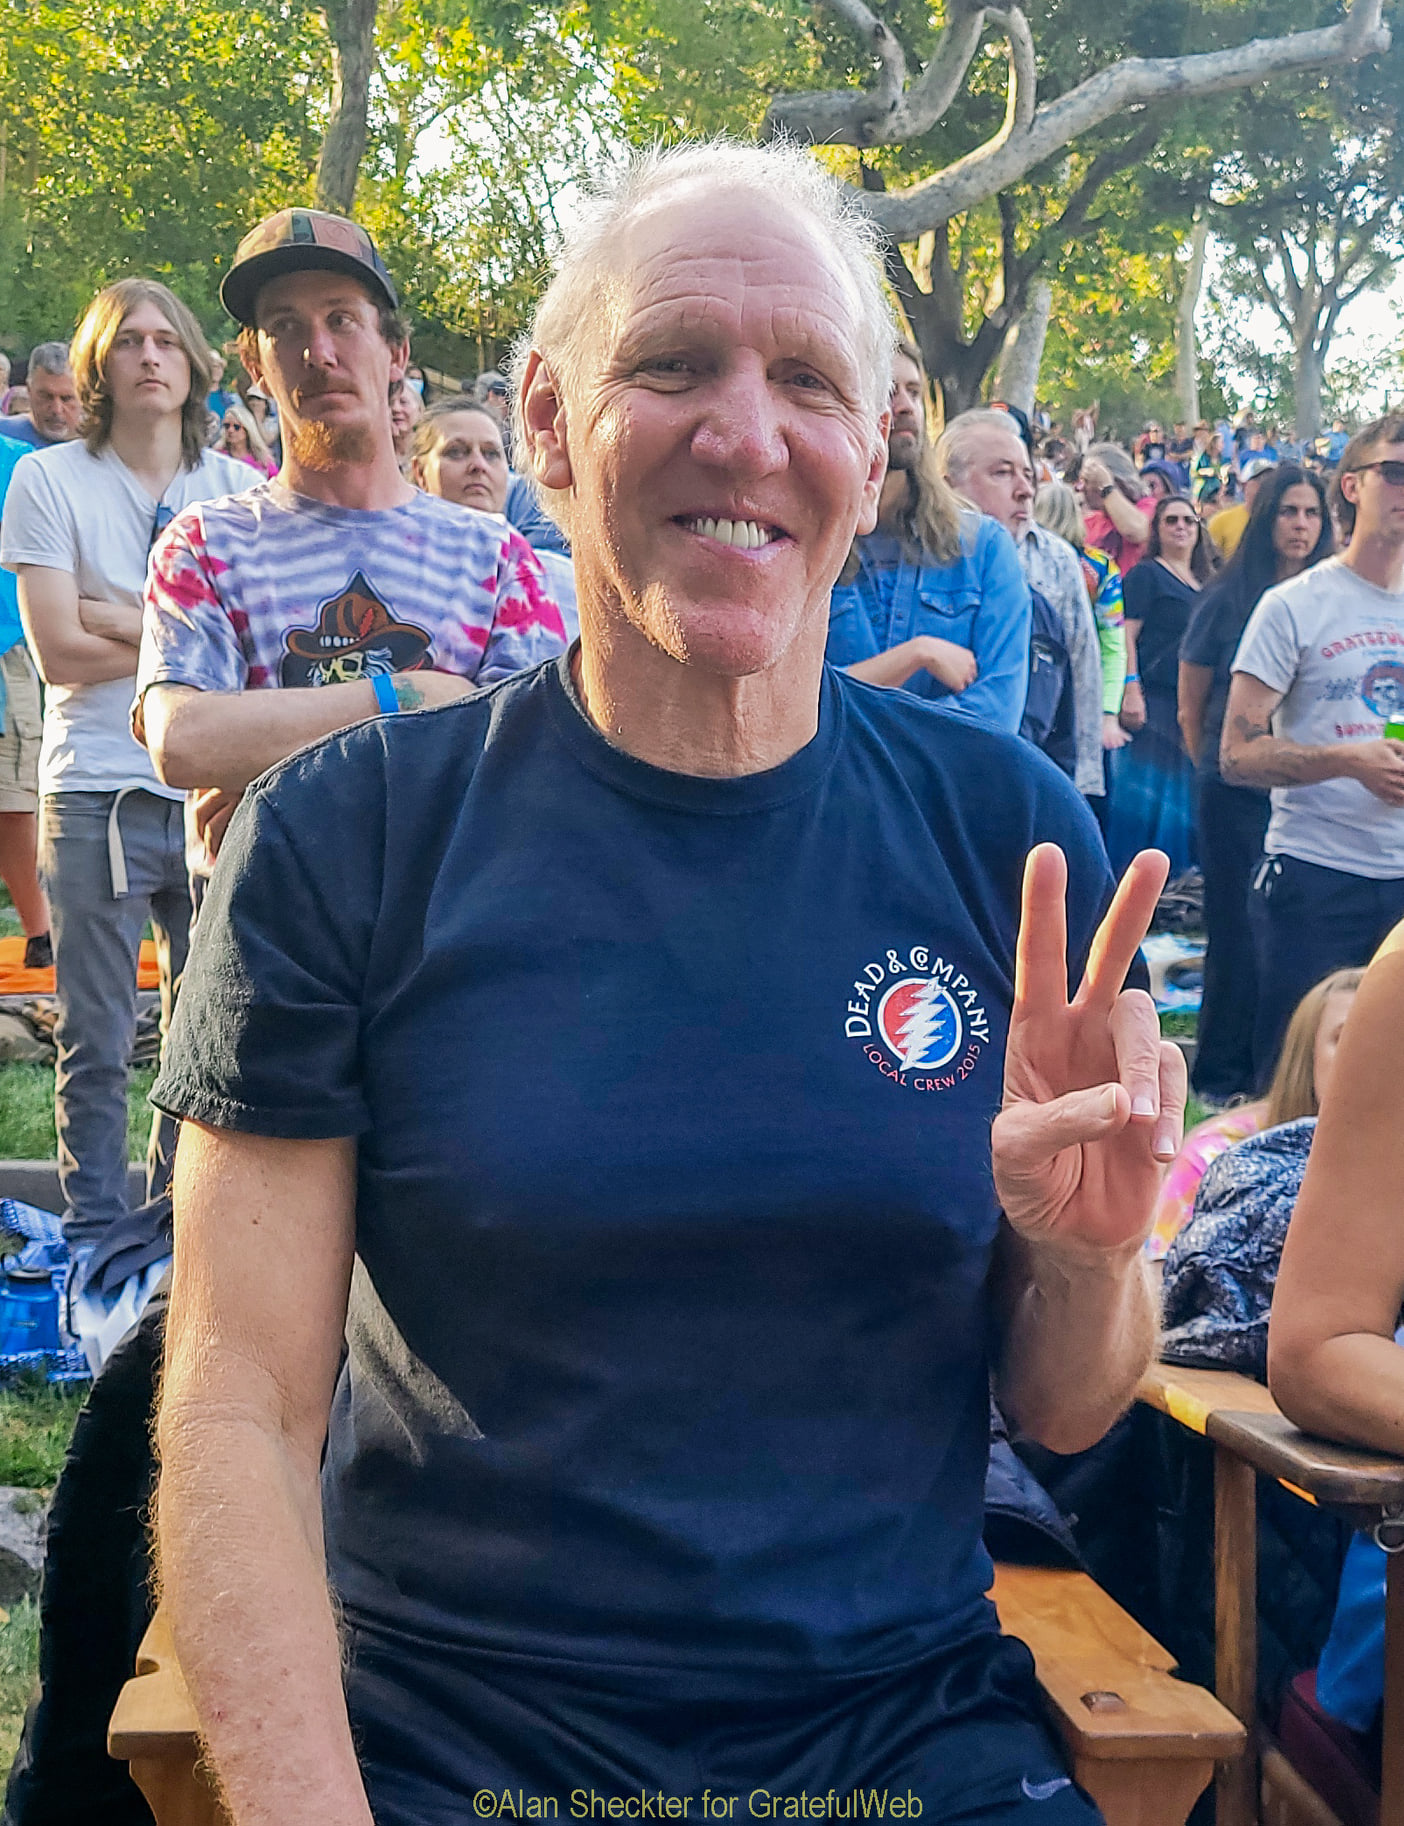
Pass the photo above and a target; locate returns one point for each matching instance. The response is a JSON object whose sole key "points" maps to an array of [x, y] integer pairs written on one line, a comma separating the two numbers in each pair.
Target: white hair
{"points": [[954, 452], [49, 358], [782, 172]]}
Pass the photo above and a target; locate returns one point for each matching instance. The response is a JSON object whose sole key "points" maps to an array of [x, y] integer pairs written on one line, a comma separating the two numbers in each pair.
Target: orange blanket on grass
{"points": [[16, 980]]}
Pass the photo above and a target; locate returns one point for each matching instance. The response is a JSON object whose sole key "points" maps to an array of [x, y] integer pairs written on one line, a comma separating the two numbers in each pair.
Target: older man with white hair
{"points": [[54, 407], [612, 1056], [984, 459]]}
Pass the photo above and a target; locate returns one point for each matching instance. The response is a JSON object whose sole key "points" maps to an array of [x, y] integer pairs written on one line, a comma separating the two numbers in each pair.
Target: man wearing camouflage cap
{"points": [[337, 574]]}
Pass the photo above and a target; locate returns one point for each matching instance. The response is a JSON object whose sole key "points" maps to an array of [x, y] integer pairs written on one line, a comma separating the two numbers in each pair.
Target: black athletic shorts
{"points": [[446, 1739]]}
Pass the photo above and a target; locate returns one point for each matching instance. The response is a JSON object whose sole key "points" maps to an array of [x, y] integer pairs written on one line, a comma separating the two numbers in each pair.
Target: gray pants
{"points": [[97, 928]]}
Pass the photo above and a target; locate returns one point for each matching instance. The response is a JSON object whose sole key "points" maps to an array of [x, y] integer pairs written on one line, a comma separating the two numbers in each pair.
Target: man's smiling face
{"points": [[719, 440]]}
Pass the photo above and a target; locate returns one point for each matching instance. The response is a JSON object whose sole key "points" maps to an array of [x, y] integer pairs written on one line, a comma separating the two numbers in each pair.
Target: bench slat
{"points": [[1083, 1644]]}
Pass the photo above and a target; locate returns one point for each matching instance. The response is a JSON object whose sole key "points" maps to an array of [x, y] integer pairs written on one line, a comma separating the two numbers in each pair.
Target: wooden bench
{"points": [[1142, 1743], [1251, 1436], [153, 1728]]}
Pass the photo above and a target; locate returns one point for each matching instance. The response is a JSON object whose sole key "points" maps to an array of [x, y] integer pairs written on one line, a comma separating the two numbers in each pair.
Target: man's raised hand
{"points": [[1094, 1100]]}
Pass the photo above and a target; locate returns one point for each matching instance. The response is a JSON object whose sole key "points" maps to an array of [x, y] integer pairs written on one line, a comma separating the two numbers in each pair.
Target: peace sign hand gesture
{"points": [[1094, 1100]]}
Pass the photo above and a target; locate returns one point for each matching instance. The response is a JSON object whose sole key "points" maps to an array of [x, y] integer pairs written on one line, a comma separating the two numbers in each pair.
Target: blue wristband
{"points": [[384, 688]]}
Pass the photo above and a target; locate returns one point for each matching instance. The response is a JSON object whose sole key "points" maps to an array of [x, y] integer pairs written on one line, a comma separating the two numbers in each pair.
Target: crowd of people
{"points": [[1195, 674], [531, 1051]]}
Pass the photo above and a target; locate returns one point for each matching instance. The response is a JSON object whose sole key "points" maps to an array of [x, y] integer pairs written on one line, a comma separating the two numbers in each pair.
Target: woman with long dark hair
{"points": [[1288, 531], [1150, 785]]}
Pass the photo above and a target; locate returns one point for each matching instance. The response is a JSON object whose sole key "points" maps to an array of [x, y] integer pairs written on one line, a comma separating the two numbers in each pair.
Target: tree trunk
{"points": [[1308, 361], [1016, 382], [1186, 345], [352, 27]]}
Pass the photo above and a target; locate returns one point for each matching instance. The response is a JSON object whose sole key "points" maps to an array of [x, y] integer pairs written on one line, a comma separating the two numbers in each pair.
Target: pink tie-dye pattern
{"points": [[541, 610]]}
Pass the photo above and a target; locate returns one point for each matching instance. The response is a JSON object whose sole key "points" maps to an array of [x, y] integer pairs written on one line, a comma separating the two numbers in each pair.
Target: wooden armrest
{"points": [[1343, 1476], [1109, 1684], [154, 1714], [1192, 1396], [1235, 1412]]}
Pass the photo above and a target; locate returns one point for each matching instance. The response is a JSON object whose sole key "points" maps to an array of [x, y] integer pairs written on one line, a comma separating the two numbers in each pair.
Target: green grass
{"points": [[36, 1423], [27, 1112], [19, 1669]]}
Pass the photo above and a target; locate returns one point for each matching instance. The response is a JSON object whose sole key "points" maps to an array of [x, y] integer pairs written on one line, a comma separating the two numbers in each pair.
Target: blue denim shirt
{"points": [[525, 512], [980, 600]]}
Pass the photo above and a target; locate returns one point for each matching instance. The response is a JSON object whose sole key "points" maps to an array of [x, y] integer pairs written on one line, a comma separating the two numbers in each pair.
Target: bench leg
{"points": [[1143, 1793], [177, 1791], [1236, 1630]]}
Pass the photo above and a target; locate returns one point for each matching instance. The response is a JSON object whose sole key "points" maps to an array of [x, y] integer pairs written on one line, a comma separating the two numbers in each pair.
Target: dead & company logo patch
{"points": [[920, 1019]]}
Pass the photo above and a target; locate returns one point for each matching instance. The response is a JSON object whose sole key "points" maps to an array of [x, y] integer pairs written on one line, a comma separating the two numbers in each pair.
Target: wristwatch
{"points": [[1102, 493]]}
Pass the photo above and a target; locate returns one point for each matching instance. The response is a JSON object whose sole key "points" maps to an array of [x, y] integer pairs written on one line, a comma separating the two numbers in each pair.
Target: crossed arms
{"points": [[76, 640]]}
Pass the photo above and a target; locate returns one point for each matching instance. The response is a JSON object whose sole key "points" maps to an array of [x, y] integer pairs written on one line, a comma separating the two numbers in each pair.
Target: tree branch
{"points": [[1074, 215], [1269, 294], [1010, 274], [351, 27], [872, 117], [1023, 70], [1342, 299], [882, 115], [1291, 284]]}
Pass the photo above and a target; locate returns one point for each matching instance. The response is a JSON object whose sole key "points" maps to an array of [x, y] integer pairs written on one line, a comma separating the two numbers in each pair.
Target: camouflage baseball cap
{"points": [[299, 241]]}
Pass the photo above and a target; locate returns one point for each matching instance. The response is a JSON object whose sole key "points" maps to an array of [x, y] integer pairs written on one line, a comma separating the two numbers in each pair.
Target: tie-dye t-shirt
{"points": [[270, 588]]}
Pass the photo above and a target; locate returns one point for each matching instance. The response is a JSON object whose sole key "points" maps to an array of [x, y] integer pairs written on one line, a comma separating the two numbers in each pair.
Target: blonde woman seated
{"points": [[457, 453], [1303, 1068]]}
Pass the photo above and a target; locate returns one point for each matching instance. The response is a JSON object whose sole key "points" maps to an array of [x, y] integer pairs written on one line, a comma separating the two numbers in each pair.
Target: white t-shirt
{"points": [[90, 516], [1334, 645]]}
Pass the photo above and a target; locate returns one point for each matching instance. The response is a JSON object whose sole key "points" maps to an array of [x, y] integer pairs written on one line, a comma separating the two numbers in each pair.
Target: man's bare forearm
{"points": [[116, 621], [1077, 1339], [244, 1585], [228, 738], [1251, 755]]}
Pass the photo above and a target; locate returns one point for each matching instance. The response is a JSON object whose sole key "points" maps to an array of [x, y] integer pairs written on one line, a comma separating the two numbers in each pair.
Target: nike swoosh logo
{"points": [[1044, 1791]]}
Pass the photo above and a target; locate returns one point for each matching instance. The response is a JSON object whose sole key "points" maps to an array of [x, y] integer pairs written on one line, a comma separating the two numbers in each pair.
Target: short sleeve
{"points": [[1270, 649], [187, 637], [266, 1033], [38, 526], [1138, 592]]}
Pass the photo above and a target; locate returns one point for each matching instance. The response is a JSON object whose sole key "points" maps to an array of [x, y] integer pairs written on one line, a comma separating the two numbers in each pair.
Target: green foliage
{"points": [[514, 127], [1310, 198], [143, 136]]}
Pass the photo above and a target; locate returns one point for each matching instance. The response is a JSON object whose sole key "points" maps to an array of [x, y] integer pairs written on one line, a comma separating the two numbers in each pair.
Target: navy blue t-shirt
{"points": [[669, 1337]]}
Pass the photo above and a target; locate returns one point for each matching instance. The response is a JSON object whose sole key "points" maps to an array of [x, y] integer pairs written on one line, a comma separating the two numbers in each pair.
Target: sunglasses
{"points": [[1178, 520], [164, 516], [1391, 471]]}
